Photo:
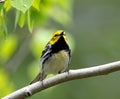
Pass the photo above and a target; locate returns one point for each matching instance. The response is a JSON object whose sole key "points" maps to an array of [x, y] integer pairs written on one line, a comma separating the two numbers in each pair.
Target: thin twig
{"points": [[64, 77]]}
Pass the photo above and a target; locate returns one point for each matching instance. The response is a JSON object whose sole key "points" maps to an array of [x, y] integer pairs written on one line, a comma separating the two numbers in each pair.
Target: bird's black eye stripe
{"points": [[63, 33]]}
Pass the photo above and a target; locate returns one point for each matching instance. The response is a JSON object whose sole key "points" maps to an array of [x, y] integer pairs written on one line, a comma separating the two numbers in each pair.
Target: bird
{"points": [[56, 56]]}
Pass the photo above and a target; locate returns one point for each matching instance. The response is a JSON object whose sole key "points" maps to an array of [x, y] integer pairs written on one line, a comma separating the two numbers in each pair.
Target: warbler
{"points": [[55, 57]]}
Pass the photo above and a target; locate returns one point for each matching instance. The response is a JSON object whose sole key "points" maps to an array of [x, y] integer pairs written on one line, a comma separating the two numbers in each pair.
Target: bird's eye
{"points": [[56, 35]]}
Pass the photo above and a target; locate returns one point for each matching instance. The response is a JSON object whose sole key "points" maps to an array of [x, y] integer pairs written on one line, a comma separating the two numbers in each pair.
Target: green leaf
{"points": [[7, 5], [3, 26], [30, 22], [22, 5], [1, 6], [16, 18], [36, 4], [21, 20]]}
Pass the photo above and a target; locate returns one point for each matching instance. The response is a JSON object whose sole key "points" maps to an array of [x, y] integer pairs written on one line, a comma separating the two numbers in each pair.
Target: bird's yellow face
{"points": [[57, 35]]}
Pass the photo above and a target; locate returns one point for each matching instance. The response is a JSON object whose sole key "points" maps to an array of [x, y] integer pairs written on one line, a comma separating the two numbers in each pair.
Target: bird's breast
{"points": [[58, 62]]}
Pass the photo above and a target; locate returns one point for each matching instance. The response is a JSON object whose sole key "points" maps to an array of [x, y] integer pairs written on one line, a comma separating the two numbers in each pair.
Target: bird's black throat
{"points": [[60, 45]]}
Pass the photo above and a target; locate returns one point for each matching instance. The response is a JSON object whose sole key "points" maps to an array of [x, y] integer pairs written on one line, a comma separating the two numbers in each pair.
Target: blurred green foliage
{"points": [[18, 48], [8, 47], [4, 81], [93, 31]]}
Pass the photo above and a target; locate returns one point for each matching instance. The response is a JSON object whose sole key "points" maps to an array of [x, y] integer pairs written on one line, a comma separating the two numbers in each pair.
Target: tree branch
{"points": [[2, 1], [64, 77]]}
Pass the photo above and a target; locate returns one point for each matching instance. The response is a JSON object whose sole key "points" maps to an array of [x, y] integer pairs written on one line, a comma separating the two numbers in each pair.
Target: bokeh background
{"points": [[93, 31]]}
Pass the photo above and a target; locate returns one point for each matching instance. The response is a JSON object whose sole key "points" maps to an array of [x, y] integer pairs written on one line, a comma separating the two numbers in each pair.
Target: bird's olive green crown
{"points": [[57, 35]]}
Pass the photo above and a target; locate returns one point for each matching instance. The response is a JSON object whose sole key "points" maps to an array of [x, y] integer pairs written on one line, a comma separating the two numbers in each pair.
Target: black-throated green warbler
{"points": [[55, 57]]}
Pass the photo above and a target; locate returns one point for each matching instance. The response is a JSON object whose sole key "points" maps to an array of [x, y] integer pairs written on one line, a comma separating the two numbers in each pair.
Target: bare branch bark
{"points": [[64, 77], [2, 1]]}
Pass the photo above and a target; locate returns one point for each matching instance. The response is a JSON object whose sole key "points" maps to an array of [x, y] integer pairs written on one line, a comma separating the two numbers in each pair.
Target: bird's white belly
{"points": [[57, 63]]}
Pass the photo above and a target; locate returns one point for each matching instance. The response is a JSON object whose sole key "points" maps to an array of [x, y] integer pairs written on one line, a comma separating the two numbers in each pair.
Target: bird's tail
{"points": [[39, 77]]}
